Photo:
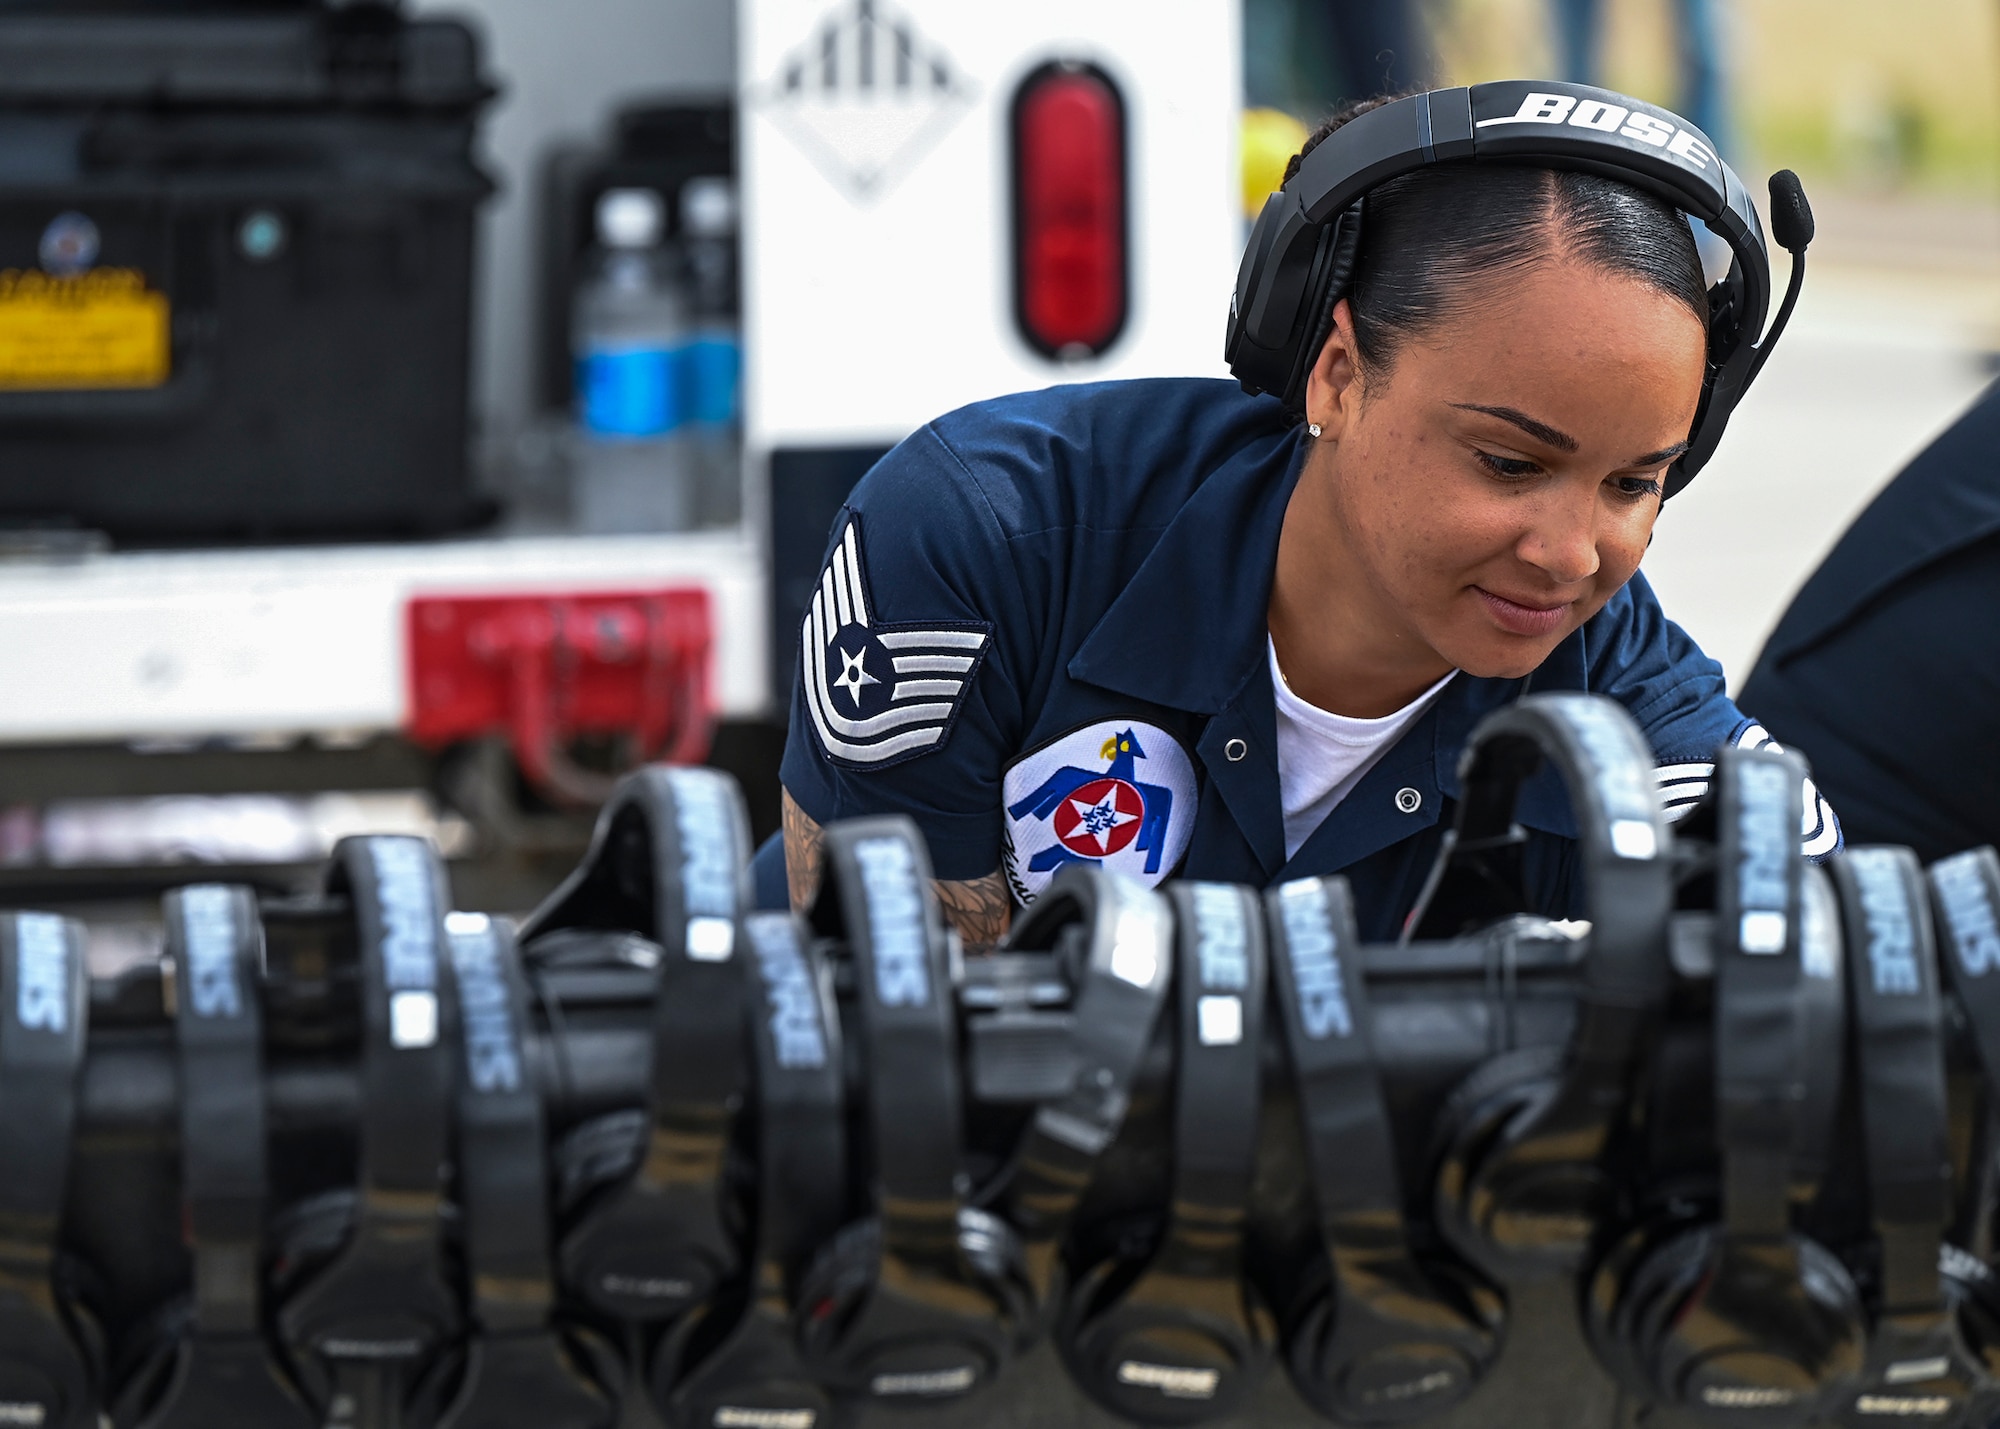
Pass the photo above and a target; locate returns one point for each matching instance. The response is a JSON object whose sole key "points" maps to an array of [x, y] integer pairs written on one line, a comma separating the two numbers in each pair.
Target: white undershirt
{"points": [[1322, 755]]}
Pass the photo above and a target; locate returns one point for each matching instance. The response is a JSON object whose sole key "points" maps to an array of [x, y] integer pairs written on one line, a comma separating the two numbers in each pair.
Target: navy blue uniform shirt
{"points": [[1041, 629]]}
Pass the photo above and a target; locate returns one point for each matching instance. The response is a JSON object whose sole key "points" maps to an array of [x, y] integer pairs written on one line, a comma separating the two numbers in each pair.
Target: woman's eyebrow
{"points": [[1663, 454], [1560, 440], [1540, 431]]}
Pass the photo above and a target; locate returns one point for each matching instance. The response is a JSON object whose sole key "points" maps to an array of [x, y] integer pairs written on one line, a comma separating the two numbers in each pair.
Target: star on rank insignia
{"points": [[879, 694]]}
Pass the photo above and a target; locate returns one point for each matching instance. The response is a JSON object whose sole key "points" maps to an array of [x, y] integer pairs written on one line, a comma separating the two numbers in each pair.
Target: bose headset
{"points": [[1381, 1335], [366, 1308], [1740, 1317], [1924, 1358], [51, 1352], [1176, 1333], [522, 1371], [743, 1367], [202, 1359], [1521, 1180], [1300, 259], [1117, 936], [926, 1298], [650, 1243]]}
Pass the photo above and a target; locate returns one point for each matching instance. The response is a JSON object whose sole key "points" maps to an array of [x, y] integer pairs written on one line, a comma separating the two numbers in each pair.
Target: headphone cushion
{"points": [[992, 1249], [1608, 1299], [1691, 1272], [38, 1356], [146, 1362], [1472, 1123], [840, 1275], [307, 1235], [1336, 282], [600, 1152], [1662, 1280], [1466, 1320], [1974, 1296]]}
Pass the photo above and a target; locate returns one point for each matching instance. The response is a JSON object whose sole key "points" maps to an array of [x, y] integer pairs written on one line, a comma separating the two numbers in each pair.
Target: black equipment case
{"points": [[236, 269]]}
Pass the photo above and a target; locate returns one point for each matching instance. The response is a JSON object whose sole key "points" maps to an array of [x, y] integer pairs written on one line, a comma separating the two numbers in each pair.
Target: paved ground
{"points": [[1892, 340]]}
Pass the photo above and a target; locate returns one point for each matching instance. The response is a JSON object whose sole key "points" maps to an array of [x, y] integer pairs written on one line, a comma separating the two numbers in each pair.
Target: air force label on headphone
{"points": [[880, 694], [1118, 794]]}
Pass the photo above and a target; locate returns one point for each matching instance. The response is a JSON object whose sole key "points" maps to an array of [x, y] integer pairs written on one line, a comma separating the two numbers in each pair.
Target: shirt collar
{"points": [[1192, 620], [1191, 627]]}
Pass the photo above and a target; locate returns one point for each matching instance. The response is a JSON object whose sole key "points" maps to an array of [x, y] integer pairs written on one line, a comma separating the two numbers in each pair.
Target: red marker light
{"points": [[1070, 261]]}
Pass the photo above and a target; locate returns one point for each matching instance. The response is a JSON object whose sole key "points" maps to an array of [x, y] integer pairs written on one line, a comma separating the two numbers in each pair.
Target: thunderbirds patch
{"points": [[880, 694], [1118, 794]]}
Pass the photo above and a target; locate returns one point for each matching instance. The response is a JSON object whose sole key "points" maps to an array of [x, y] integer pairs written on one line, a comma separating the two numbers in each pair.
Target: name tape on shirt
{"points": [[879, 694], [1119, 794]]}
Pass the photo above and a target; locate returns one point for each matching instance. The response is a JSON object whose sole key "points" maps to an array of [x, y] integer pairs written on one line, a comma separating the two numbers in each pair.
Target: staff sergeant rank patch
{"points": [[880, 694], [1119, 794]]}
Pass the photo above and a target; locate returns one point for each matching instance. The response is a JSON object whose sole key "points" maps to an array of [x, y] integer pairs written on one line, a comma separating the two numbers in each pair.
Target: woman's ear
{"points": [[1333, 387]]}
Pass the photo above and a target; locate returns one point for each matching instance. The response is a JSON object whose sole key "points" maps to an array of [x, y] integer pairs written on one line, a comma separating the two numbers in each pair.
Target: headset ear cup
{"points": [[1975, 1302], [1475, 1122], [1308, 1331], [993, 1250], [834, 1284], [1331, 280], [598, 1153], [1090, 1292], [146, 1370], [1447, 1351], [1661, 1282], [1608, 1300], [307, 1236], [597, 1359]]}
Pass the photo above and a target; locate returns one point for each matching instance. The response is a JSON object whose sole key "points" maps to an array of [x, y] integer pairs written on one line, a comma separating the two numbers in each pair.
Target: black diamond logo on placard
{"points": [[866, 97]]}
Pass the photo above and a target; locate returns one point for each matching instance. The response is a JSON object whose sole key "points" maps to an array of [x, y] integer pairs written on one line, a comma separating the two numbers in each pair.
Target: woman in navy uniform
{"points": [[1173, 629]]}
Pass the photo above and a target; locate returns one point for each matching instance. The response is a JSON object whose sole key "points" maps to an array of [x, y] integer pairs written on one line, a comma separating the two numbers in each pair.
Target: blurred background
{"points": [[411, 414]]}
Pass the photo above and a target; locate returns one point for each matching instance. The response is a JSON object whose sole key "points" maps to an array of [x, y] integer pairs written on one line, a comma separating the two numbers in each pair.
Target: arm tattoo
{"points": [[804, 854], [979, 908]]}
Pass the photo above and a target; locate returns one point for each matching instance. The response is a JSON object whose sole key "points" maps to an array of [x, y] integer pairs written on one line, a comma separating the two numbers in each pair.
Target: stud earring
{"points": [[1313, 431]]}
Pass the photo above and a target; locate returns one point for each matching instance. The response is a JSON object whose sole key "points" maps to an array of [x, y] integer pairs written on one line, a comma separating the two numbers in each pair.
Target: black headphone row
{"points": [[661, 1160]]}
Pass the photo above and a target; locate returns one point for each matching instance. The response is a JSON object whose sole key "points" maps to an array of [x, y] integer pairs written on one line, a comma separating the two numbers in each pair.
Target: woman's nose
{"points": [[1562, 539]]}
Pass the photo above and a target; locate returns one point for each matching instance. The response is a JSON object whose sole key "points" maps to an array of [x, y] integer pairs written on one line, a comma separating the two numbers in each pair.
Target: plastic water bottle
{"points": [[633, 470], [714, 371]]}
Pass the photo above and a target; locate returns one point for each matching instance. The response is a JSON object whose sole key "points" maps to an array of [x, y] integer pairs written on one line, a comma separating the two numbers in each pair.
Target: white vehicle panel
{"points": [[874, 304], [274, 642]]}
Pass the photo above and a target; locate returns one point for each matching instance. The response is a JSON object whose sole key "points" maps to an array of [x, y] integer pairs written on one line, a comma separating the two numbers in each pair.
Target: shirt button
{"points": [[1235, 750], [1409, 800]]}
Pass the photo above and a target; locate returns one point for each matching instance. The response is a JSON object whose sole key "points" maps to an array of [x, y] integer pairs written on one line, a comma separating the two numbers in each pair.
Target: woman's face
{"points": [[1499, 483]]}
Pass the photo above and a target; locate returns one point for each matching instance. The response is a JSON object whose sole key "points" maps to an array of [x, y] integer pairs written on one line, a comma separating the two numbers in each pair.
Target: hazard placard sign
{"points": [[102, 328]]}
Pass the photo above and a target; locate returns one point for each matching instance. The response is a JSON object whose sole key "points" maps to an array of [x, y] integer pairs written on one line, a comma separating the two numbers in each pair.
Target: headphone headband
{"points": [[878, 895], [1900, 1057], [1283, 290], [1220, 963], [1759, 1071], [1120, 989], [1623, 841], [1350, 1150], [215, 945]]}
